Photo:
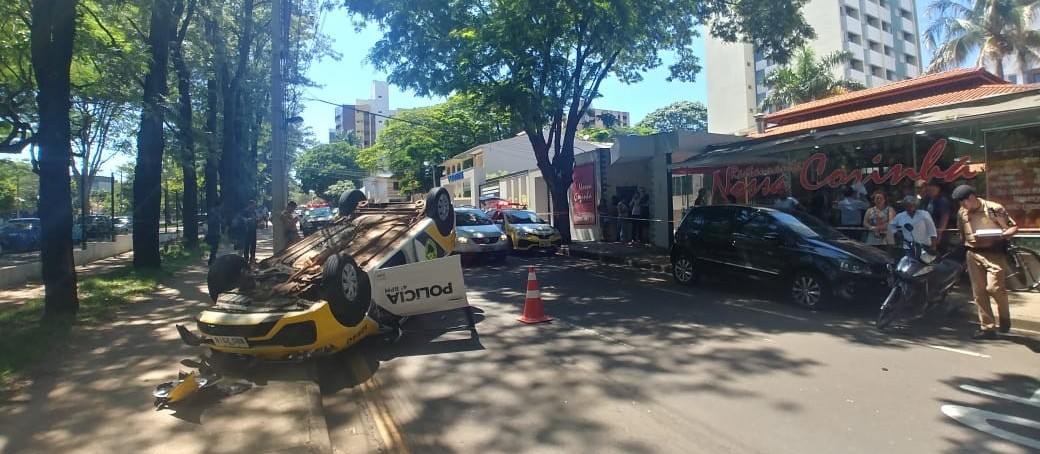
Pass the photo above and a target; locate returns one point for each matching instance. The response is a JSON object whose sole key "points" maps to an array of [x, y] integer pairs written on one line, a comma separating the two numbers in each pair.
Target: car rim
{"points": [[807, 291], [443, 205], [349, 281], [684, 270]]}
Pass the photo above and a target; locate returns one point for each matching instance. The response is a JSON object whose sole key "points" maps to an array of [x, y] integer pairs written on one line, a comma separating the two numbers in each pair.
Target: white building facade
{"points": [[882, 35], [366, 117]]}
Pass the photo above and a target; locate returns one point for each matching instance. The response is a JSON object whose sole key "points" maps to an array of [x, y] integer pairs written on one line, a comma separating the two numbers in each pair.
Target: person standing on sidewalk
{"points": [[637, 222], [622, 213], [288, 219], [986, 260], [214, 226], [249, 218]]}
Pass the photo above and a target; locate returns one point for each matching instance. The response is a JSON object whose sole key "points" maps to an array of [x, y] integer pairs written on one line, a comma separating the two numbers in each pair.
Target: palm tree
{"points": [[992, 29], [807, 79]]}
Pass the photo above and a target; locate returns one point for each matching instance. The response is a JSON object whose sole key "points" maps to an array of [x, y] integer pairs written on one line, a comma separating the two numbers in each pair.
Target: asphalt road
{"points": [[635, 363]]}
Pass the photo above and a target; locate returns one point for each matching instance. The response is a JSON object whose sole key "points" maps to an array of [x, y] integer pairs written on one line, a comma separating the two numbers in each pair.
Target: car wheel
{"points": [[439, 208], [225, 274], [684, 270], [809, 290], [347, 289], [349, 201]]}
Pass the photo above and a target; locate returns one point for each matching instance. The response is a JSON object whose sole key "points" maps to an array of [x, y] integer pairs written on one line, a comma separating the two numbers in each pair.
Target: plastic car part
{"points": [[347, 289], [225, 274], [440, 209]]}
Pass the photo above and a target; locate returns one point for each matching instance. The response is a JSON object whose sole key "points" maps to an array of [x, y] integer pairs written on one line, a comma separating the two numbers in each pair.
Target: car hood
{"points": [[478, 231], [846, 247], [535, 228]]}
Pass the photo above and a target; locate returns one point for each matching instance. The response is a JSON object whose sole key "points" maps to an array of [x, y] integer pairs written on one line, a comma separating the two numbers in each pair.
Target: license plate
{"points": [[230, 341], [544, 243]]}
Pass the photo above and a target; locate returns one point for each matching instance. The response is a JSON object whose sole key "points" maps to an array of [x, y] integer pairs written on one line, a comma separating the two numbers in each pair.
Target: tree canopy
{"points": [[595, 134], [678, 116], [327, 166], [807, 79], [545, 61], [417, 140], [990, 29]]}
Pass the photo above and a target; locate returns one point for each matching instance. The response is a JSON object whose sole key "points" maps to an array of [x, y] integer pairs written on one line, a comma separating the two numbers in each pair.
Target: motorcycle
{"points": [[921, 280]]}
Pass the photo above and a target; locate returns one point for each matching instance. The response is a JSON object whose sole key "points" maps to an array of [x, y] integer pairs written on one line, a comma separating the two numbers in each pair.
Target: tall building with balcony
{"points": [[366, 117], [882, 35]]}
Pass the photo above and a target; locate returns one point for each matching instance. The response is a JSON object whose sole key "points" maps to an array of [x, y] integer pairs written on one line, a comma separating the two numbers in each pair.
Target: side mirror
{"points": [[908, 227]]}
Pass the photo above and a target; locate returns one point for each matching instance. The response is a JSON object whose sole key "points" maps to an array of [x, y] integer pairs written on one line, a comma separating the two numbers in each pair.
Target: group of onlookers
{"points": [[626, 218], [243, 226]]}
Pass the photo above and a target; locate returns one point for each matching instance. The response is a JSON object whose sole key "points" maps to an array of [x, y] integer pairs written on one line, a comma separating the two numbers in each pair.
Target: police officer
{"points": [[986, 258]]}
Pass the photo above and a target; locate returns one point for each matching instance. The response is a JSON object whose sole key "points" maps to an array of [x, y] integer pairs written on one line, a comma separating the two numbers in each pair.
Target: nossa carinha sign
{"points": [[813, 174]]}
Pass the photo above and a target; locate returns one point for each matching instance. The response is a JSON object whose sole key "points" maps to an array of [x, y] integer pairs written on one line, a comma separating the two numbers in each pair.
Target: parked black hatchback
{"points": [[815, 263]]}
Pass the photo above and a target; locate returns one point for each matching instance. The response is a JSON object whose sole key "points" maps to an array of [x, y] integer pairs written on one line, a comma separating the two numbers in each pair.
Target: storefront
{"points": [[992, 143]]}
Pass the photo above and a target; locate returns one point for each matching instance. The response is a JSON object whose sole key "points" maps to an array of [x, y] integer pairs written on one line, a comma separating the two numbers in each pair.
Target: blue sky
{"points": [[350, 78]]}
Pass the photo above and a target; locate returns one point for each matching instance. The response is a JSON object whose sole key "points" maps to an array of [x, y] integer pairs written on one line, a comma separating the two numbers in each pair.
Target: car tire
{"points": [[439, 208], [809, 290], [346, 288], [349, 201], [225, 274], [684, 270]]}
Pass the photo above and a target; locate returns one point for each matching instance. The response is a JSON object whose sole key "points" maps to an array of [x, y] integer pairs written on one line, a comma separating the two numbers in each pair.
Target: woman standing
{"points": [[876, 220]]}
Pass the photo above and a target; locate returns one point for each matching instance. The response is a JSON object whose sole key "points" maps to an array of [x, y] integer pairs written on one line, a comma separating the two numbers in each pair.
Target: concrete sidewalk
{"points": [[1025, 306], [93, 395]]}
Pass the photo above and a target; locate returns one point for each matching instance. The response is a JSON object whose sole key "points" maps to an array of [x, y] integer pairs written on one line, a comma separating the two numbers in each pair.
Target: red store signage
{"points": [[583, 195], [812, 173]]}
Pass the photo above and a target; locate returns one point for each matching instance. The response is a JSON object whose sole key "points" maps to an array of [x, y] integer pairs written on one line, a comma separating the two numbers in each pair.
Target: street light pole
{"points": [[279, 185]]}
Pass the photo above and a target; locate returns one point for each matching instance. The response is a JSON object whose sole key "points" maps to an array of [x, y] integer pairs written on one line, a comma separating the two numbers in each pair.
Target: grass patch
{"points": [[25, 336]]}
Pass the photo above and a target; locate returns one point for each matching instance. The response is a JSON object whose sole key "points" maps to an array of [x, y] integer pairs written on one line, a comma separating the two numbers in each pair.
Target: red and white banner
{"points": [[583, 195]]}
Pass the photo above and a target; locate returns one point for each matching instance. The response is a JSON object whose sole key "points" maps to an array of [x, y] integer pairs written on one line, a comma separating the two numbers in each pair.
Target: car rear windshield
{"points": [[523, 217], [807, 226], [465, 218]]}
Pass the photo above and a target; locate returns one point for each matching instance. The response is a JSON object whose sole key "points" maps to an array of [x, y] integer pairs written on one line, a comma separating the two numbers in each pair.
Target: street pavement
{"points": [[635, 363]]}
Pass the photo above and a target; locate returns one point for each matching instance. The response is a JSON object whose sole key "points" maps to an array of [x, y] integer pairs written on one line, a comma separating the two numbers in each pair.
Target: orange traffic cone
{"points": [[533, 311]]}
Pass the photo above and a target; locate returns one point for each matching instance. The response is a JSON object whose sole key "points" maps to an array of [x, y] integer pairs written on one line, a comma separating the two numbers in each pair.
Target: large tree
{"points": [[324, 166], [678, 116], [806, 79], [151, 140], [415, 141], [52, 36], [545, 61], [988, 29]]}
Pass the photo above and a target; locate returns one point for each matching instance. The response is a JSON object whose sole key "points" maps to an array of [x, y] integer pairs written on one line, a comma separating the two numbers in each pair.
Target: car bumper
{"points": [[855, 286], [535, 243], [469, 249]]}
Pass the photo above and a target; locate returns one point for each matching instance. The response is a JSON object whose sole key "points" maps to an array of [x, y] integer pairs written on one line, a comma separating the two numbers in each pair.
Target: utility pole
{"points": [[279, 185]]}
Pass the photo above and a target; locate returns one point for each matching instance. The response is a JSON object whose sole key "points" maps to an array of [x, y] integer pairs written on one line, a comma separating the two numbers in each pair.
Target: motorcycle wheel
{"points": [[888, 309]]}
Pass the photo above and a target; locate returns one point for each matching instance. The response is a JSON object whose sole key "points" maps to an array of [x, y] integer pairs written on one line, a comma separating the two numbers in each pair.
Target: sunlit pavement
{"points": [[636, 363]]}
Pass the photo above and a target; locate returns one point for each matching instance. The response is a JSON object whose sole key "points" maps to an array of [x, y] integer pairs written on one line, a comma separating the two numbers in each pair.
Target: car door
{"points": [[716, 244], [757, 244]]}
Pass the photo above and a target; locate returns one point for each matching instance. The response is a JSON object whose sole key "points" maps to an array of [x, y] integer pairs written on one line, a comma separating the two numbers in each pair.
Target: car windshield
{"points": [[523, 217], [807, 226], [466, 218], [18, 226], [323, 211]]}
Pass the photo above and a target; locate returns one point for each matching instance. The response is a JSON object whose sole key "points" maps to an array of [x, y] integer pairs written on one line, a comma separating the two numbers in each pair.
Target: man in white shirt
{"points": [[924, 228]]}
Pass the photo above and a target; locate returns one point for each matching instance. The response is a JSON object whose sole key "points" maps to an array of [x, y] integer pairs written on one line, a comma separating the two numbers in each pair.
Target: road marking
{"points": [[1033, 401], [983, 420], [767, 311], [387, 427], [946, 349]]}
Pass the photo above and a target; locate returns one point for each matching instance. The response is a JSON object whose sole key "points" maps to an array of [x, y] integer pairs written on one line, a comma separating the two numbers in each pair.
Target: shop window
{"points": [[1008, 153], [682, 185]]}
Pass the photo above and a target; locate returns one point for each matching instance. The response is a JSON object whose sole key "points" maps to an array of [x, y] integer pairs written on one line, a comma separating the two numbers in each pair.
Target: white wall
{"points": [[728, 76]]}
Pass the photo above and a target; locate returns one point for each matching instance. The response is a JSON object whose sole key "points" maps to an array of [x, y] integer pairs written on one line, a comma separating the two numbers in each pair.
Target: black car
{"points": [[315, 219], [814, 262]]}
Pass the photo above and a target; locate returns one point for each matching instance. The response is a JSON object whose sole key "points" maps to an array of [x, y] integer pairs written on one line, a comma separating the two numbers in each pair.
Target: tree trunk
{"points": [[151, 142], [52, 32], [186, 129], [212, 170]]}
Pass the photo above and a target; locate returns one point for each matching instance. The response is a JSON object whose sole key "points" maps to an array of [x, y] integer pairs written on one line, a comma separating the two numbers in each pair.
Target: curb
{"points": [[969, 313], [319, 439], [641, 264]]}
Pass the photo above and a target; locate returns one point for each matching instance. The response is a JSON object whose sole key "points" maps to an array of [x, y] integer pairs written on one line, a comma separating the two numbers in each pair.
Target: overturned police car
{"points": [[362, 273]]}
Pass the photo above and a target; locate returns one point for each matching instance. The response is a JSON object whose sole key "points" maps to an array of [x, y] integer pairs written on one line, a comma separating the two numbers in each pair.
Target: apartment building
{"points": [[882, 35], [366, 117]]}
